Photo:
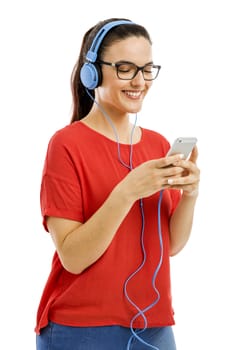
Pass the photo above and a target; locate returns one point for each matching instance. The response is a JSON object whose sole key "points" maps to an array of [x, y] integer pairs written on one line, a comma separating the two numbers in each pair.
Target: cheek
{"points": [[111, 86], [108, 93], [109, 76], [149, 84]]}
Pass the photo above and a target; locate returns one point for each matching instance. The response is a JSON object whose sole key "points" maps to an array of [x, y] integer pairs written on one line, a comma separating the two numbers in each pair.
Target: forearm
{"points": [[87, 242], [181, 223]]}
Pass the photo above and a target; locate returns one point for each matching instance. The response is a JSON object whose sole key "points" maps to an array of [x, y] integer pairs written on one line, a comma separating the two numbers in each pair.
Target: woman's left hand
{"points": [[189, 181]]}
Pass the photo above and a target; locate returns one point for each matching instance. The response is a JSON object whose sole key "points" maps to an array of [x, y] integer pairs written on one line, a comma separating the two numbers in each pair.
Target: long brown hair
{"points": [[82, 103]]}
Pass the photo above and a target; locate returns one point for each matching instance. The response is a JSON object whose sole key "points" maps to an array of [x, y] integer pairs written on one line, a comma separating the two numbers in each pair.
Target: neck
{"points": [[117, 128]]}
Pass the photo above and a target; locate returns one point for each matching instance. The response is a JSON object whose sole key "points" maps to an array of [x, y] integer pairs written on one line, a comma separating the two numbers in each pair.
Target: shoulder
{"points": [[67, 132], [66, 142], [152, 134], [69, 136], [154, 138]]}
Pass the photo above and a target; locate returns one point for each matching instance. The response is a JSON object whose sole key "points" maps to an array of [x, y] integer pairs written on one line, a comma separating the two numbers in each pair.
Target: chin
{"points": [[135, 109]]}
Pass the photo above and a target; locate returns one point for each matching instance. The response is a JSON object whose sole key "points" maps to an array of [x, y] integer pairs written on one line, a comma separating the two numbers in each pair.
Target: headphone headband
{"points": [[91, 55]]}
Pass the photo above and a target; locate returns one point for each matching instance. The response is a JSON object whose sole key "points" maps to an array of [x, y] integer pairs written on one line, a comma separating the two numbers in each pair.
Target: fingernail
{"points": [[170, 181]]}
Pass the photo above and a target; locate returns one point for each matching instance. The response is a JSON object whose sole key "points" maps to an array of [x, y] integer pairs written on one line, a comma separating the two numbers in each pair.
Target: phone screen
{"points": [[183, 145]]}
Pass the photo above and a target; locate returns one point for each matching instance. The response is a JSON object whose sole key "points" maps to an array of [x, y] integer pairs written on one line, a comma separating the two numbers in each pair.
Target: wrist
{"points": [[123, 195], [192, 194]]}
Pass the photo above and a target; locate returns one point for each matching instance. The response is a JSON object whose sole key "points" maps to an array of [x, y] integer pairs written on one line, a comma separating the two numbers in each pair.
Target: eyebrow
{"points": [[123, 61]]}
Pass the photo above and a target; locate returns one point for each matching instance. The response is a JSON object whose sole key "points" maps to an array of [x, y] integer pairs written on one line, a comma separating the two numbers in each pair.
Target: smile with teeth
{"points": [[133, 94]]}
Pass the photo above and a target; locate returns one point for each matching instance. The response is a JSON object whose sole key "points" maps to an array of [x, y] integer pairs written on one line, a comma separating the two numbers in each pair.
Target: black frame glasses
{"points": [[128, 70]]}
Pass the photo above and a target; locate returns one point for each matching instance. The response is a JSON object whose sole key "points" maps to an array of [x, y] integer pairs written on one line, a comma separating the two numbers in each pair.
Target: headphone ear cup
{"points": [[90, 75]]}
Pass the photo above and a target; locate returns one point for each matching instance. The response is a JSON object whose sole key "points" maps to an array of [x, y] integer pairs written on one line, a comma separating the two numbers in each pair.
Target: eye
{"points": [[125, 67], [149, 69]]}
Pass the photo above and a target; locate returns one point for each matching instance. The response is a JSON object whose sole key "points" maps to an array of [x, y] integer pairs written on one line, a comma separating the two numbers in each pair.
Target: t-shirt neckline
{"points": [[109, 139]]}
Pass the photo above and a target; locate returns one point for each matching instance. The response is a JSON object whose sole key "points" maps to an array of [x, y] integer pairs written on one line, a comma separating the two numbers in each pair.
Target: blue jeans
{"points": [[58, 337]]}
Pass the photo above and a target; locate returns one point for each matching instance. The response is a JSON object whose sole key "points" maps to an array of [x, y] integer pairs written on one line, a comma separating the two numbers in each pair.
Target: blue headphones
{"points": [[90, 73]]}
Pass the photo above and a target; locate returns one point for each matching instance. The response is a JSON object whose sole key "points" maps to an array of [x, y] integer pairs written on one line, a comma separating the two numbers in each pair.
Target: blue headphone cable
{"points": [[135, 334]]}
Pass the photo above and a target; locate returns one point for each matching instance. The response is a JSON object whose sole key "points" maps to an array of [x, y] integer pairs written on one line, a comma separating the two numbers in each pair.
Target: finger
{"points": [[182, 181], [189, 165], [194, 155], [167, 161]]}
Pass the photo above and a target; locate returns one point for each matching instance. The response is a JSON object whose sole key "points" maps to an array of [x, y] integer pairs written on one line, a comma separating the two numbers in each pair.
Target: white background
{"points": [[196, 93]]}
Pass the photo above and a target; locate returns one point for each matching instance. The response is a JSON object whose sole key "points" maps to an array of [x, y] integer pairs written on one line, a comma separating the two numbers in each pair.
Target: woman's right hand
{"points": [[150, 177]]}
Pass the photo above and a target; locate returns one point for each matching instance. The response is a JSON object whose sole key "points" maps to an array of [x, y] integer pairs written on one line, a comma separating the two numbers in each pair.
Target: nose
{"points": [[139, 78]]}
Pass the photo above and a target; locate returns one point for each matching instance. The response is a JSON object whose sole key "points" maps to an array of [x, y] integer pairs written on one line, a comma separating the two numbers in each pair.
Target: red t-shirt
{"points": [[81, 169]]}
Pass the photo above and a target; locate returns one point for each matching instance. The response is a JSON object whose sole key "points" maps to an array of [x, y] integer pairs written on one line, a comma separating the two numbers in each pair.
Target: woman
{"points": [[116, 207]]}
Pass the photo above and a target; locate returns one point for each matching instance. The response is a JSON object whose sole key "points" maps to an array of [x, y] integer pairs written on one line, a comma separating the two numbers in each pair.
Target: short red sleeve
{"points": [[60, 188]]}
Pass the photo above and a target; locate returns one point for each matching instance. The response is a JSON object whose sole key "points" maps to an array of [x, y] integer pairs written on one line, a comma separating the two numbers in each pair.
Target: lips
{"points": [[133, 94]]}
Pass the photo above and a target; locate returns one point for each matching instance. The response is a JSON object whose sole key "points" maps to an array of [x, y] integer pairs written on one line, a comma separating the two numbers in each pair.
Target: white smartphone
{"points": [[183, 145]]}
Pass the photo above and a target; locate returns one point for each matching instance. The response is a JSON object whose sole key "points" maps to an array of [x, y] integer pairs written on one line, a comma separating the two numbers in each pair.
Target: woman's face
{"points": [[124, 96]]}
